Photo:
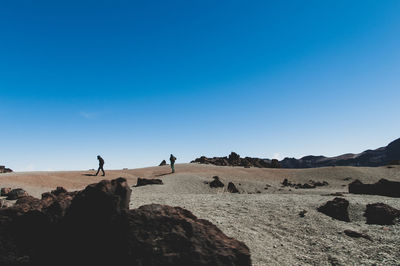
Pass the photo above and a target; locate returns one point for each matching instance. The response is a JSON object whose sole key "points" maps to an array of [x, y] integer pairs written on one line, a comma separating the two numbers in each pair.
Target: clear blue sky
{"points": [[135, 81]]}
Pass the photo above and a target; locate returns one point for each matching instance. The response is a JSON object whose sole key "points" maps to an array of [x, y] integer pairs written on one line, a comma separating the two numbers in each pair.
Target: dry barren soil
{"points": [[264, 215]]}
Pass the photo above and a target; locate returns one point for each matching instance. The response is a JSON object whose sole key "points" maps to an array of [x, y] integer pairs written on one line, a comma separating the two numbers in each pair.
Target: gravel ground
{"points": [[269, 223]]}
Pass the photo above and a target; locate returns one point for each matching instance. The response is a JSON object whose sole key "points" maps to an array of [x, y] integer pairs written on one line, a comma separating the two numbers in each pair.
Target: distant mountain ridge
{"points": [[378, 157]]}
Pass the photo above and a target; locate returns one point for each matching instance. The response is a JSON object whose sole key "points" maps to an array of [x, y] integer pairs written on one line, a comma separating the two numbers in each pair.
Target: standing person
{"points": [[172, 159], [101, 164]]}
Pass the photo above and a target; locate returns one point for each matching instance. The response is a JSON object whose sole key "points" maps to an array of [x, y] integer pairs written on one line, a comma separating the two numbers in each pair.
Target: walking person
{"points": [[101, 164], [172, 159]]}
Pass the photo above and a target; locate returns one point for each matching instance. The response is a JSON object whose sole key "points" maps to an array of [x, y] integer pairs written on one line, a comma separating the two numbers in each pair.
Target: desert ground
{"points": [[264, 215]]}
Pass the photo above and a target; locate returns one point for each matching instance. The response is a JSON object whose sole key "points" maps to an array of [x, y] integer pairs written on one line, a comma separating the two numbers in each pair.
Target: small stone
{"points": [[302, 213], [355, 234]]}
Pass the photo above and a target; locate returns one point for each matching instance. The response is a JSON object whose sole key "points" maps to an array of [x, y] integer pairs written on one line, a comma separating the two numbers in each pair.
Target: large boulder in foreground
{"points": [[95, 227], [380, 213], [174, 236], [383, 187], [27, 229], [337, 209]]}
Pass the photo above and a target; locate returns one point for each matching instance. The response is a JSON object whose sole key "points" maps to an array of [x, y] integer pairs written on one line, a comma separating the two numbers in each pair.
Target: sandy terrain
{"points": [[267, 220]]}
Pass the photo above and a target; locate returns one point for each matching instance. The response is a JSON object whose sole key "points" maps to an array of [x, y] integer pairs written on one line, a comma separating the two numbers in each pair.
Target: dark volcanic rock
{"points": [[29, 203], [337, 209], [319, 184], [16, 194], [3, 169], [95, 227], [310, 184], [27, 229], [358, 187], [163, 163], [234, 159], [355, 234], [42, 231], [4, 191], [336, 194], [216, 182], [302, 213], [58, 191], [174, 236], [275, 163], [383, 187], [305, 185], [232, 188], [145, 181], [380, 213]]}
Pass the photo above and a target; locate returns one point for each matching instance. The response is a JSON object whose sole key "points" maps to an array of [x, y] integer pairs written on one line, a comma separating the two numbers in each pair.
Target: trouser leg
{"points": [[173, 167], [102, 169], [98, 170]]}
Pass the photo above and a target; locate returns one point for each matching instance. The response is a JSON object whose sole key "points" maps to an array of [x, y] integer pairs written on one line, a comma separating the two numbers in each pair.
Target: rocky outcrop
{"points": [[27, 229], [232, 188], [95, 227], [144, 182], [3, 169], [163, 163], [310, 184], [380, 213], [337, 209], [378, 157], [383, 187], [234, 159], [216, 182]]}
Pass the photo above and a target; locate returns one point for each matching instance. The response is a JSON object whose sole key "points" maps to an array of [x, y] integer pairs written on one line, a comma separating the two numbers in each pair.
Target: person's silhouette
{"points": [[101, 164], [172, 159]]}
